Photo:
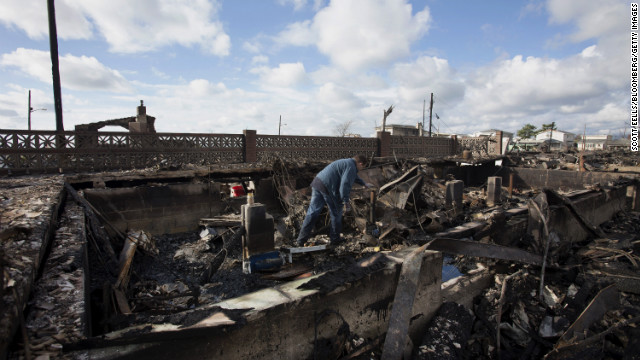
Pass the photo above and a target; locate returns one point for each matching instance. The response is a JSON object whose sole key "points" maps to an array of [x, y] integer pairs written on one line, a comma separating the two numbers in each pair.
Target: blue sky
{"points": [[226, 66]]}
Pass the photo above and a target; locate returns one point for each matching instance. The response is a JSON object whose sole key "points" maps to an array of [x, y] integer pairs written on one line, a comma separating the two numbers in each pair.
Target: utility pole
{"points": [[430, 113], [280, 125], [55, 68], [424, 103], [29, 111]]}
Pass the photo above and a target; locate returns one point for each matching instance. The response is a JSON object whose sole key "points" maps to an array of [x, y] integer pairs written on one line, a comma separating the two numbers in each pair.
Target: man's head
{"points": [[361, 161]]}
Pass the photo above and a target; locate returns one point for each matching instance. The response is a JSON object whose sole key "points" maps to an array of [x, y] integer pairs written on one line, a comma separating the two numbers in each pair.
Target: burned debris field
{"points": [[518, 256]]}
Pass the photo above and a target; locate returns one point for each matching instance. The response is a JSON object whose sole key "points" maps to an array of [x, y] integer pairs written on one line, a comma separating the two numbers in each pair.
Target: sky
{"points": [[311, 67]]}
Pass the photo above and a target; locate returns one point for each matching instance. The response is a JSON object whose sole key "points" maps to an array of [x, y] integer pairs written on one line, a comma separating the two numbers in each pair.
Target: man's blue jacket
{"points": [[338, 178]]}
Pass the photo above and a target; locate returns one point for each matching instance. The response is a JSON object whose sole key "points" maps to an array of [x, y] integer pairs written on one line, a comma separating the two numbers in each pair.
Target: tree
{"points": [[551, 126], [528, 131], [343, 128]]}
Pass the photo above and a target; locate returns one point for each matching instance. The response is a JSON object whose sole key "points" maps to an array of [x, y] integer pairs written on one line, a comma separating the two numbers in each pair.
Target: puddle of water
{"points": [[449, 271]]}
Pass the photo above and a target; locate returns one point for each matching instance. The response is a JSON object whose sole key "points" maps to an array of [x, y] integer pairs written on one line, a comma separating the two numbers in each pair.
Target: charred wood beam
{"points": [[397, 334], [569, 350], [492, 251], [607, 299]]}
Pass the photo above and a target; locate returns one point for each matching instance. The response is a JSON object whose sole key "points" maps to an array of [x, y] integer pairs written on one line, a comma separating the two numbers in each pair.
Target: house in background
{"points": [[401, 130], [557, 140], [619, 144], [593, 142], [408, 130]]}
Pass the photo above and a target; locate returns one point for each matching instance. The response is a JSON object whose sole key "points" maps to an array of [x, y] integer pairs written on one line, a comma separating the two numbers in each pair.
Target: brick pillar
{"points": [[384, 143], [494, 188], [454, 145], [250, 146], [499, 141]]}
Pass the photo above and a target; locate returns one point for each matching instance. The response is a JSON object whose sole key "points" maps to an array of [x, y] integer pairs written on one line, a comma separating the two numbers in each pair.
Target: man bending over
{"points": [[332, 187]]}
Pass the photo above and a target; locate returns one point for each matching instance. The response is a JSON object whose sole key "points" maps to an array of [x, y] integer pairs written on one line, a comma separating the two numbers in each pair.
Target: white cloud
{"points": [[361, 80], [146, 25], [585, 88], [593, 18], [338, 98], [31, 16], [285, 75], [297, 34], [260, 59], [363, 33], [203, 88], [77, 73], [357, 34], [428, 74], [14, 105], [297, 4], [128, 26], [159, 73]]}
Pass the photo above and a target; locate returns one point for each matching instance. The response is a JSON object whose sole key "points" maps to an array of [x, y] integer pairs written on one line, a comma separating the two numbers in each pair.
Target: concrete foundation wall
{"points": [[525, 178], [595, 207], [282, 322], [472, 175], [162, 209]]}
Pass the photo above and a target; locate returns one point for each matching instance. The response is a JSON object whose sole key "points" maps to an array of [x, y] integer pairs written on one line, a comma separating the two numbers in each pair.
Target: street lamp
{"points": [[32, 110], [280, 125]]}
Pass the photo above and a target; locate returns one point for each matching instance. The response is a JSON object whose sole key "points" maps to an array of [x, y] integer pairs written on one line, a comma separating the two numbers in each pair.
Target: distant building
{"points": [[557, 140], [619, 144], [401, 130], [593, 142], [525, 144], [408, 130]]}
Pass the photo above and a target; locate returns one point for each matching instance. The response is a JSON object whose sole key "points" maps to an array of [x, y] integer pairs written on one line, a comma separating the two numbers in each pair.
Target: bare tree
{"points": [[343, 128], [385, 115]]}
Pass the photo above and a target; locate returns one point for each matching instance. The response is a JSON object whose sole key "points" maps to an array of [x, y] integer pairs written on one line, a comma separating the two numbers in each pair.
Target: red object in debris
{"points": [[237, 191]]}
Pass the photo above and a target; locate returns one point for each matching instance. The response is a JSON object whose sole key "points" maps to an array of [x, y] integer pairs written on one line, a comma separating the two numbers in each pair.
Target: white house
{"points": [[557, 139], [594, 142]]}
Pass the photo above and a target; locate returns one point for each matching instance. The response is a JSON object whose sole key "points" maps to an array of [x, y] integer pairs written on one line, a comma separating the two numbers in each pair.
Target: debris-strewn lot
{"points": [[28, 206], [581, 303]]}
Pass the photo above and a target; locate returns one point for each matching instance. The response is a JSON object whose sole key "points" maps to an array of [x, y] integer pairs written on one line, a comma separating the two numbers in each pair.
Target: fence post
{"points": [[250, 146], [384, 143]]}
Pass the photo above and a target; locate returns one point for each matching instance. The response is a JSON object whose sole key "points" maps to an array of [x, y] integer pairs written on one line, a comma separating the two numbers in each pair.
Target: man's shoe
{"points": [[299, 243]]}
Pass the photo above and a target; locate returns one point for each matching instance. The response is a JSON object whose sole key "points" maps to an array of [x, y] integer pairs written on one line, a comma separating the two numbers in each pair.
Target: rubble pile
{"points": [[610, 161], [587, 306], [28, 208], [581, 302], [57, 316]]}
